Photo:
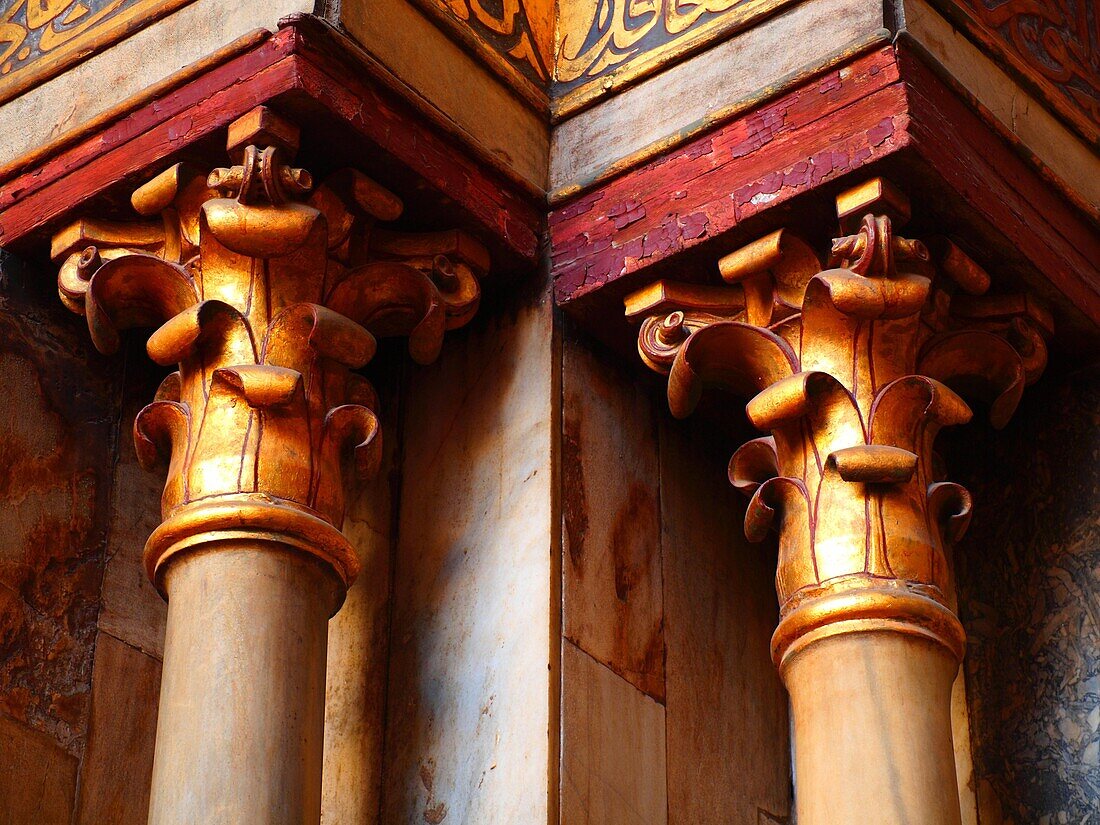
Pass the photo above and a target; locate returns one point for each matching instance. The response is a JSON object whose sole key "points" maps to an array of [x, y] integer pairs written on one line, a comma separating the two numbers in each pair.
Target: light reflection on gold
{"points": [[850, 370], [266, 293]]}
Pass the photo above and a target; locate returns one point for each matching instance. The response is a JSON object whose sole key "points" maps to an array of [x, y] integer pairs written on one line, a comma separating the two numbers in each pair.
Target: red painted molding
{"points": [[307, 70], [883, 112], [836, 123]]}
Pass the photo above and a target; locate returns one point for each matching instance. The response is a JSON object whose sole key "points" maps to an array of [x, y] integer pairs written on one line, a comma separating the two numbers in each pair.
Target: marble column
{"points": [[266, 293], [852, 370]]}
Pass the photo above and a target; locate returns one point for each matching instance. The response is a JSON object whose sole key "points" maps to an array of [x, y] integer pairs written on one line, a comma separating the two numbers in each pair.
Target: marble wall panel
{"points": [[133, 611], [726, 709], [611, 560], [358, 642], [696, 621], [1029, 595], [118, 763], [38, 780], [468, 734], [613, 747], [58, 410]]}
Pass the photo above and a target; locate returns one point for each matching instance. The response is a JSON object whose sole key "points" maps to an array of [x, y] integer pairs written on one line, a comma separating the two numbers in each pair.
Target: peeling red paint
{"points": [[626, 213], [301, 57], [881, 132], [698, 150], [808, 137], [694, 226]]}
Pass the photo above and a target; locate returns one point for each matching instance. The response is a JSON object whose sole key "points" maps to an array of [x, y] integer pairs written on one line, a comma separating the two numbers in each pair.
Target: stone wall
{"points": [[469, 714], [81, 627], [1029, 588], [58, 418], [672, 712]]}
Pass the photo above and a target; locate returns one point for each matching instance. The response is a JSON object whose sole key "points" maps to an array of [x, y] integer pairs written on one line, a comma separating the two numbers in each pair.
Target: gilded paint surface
{"points": [[258, 425], [40, 38], [618, 40], [581, 49], [850, 369], [1056, 45]]}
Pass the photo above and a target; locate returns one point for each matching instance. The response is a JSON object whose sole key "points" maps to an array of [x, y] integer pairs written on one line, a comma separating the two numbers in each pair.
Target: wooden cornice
{"points": [[887, 111], [356, 113]]}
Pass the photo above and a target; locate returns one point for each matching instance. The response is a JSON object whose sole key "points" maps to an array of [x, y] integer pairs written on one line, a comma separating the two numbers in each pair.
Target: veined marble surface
{"points": [[1029, 585]]}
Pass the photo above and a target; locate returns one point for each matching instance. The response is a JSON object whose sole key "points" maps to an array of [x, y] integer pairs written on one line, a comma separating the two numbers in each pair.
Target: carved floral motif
{"points": [[267, 298], [852, 371], [1055, 44]]}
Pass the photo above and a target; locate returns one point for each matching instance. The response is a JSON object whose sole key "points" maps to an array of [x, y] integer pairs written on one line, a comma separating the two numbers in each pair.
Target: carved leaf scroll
{"points": [[852, 370], [266, 299]]}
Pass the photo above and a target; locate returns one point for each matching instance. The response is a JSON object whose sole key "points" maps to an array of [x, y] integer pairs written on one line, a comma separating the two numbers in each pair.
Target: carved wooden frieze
{"points": [[42, 38], [521, 32], [603, 44], [1054, 45], [568, 53]]}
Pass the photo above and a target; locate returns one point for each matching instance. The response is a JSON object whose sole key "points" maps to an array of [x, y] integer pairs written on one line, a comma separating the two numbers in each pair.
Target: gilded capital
{"points": [[266, 292], [851, 369]]}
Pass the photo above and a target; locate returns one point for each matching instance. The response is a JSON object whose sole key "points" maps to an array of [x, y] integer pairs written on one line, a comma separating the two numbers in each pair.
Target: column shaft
{"points": [[872, 730], [241, 726], [267, 293]]}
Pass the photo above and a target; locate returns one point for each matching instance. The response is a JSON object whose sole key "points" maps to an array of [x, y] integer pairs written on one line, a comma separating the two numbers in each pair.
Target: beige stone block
{"points": [[469, 703], [124, 70], [726, 710], [613, 748], [37, 777], [611, 555], [118, 762], [693, 92]]}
